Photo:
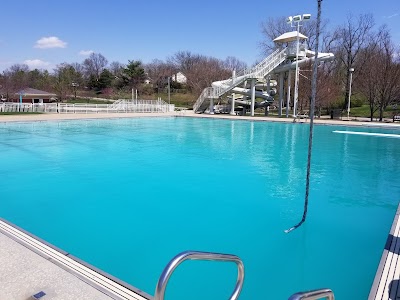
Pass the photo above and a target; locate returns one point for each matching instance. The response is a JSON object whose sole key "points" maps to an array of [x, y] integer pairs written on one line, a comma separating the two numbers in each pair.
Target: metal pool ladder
{"points": [[197, 255], [314, 295]]}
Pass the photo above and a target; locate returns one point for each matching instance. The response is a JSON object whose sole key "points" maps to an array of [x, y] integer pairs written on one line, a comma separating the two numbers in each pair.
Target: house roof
{"points": [[35, 92], [289, 37]]}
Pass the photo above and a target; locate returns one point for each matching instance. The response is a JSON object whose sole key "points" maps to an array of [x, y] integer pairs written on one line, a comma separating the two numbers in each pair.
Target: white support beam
{"points": [[288, 95], [280, 93], [253, 96]]}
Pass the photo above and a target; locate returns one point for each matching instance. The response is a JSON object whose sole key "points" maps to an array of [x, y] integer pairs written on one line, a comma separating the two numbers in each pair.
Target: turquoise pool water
{"points": [[127, 195]]}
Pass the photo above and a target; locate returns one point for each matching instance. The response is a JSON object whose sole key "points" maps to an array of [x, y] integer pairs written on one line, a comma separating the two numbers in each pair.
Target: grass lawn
{"points": [[363, 111], [86, 101]]}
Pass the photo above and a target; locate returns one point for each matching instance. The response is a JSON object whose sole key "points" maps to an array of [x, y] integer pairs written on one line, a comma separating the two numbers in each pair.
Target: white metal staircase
{"points": [[259, 71], [116, 105]]}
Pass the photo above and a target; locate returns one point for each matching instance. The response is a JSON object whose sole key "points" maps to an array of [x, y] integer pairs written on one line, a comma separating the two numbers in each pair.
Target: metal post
{"points": [[233, 94], [169, 90], [351, 70], [280, 94], [266, 113], [75, 86], [211, 106], [296, 81], [288, 94], [233, 104], [253, 96]]}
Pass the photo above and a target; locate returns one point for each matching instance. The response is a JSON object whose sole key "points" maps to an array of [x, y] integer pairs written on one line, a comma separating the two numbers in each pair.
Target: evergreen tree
{"points": [[133, 74]]}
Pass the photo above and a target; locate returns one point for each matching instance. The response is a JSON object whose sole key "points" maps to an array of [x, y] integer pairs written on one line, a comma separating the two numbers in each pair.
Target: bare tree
{"points": [[39, 79], [14, 79], [388, 72], [366, 82], [184, 61], [232, 63], [64, 75], [351, 38], [328, 88], [94, 65], [116, 68], [199, 70], [274, 27], [206, 71], [158, 72]]}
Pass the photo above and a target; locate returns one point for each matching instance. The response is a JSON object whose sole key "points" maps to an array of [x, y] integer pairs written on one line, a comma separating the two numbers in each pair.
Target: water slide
{"points": [[232, 85], [260, 90], [310, 57], [280, 61]]}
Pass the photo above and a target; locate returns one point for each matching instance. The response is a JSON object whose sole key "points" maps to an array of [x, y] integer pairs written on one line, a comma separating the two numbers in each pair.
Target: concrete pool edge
{"points": [[70, 117], [97, 279], [379, 284]]}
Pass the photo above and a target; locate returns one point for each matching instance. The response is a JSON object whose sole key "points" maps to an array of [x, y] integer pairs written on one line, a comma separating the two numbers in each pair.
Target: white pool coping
{"points": [[29, 265], [363, 122], [386, 284]]}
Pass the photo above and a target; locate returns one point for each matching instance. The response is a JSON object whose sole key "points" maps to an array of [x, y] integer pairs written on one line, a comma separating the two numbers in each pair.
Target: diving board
{"points": [[388, 135]]}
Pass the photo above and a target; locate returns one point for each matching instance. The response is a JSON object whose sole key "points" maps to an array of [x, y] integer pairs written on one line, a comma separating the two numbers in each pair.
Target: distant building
{"points": [[179, 77], [30, 95]]}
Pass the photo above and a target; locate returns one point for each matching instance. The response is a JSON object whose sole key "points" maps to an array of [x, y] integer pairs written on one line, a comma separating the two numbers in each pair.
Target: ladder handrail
{"points": [[199, 255], [313, 295]]}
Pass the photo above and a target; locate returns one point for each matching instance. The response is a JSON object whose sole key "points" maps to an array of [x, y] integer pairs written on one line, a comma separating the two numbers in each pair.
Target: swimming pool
{"points": [[126, 195]]}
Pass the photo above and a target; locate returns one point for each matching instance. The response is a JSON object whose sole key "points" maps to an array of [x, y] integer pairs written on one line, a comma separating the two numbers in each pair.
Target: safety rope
{"points": [[312, 109]]}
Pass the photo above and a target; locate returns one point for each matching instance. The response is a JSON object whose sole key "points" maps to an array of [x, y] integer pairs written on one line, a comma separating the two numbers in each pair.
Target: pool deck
{"points": [[188, 113], [29, 266], [387, 279]]}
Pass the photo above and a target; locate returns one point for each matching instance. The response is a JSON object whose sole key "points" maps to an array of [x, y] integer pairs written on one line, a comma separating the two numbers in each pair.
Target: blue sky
{"points": [[47, 32]]}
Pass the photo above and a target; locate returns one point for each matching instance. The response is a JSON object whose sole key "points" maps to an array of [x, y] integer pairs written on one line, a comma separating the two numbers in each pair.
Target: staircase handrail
{"points": [[259, 71]]}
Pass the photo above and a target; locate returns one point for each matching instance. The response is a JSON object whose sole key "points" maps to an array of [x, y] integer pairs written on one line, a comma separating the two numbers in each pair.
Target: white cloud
{"points": [[36, 63], [50, 42], [392, 16], [85, 52]]}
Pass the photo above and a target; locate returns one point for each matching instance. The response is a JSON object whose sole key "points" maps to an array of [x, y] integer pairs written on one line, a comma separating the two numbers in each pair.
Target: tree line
{"points": [[95, 73], [357, 44], [364, 52]]}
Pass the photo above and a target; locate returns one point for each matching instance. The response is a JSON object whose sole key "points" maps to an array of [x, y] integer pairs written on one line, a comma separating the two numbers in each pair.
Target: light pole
{"points": [[75, 86], [297, 19], [169, 90], [351, 70]]}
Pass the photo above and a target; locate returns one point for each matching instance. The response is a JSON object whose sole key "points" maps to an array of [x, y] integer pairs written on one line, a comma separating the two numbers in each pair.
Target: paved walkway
{"points": [[187, 113], [28, 266]]}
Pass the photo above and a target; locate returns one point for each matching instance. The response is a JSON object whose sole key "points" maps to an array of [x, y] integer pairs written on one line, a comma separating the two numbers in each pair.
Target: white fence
{"points": [[126, 106]]}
